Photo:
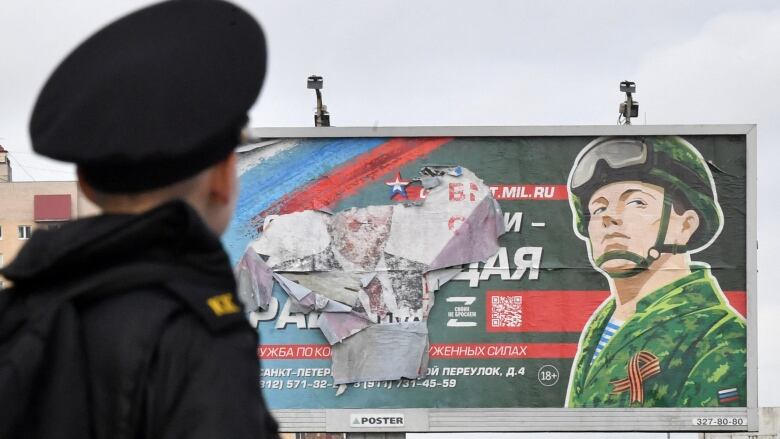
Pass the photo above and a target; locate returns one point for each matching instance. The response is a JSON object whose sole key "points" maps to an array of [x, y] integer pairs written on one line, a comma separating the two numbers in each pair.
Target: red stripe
{"points": [[731, 399], [738, 300], [293, 352], [620, 385], [511, 192], [503, 350], [348, 179], [459, 351], [573, 308]]}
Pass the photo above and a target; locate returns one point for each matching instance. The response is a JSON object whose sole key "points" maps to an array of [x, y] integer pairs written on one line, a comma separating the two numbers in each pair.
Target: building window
{"points": [[25, 232]]}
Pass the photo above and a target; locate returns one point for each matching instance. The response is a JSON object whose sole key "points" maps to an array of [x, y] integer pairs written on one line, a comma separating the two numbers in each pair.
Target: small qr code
{"points": [[506, 311]]}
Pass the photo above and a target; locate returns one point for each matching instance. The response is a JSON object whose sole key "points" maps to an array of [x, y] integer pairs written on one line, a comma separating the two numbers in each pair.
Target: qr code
{"points": [[506, 311]]}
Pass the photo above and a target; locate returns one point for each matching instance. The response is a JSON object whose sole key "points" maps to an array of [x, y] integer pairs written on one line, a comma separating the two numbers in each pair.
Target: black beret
{"points": [[154, 97]]}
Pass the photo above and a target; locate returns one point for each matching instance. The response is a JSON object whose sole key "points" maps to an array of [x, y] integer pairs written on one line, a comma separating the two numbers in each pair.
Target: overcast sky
{"points": [[482, 62]]}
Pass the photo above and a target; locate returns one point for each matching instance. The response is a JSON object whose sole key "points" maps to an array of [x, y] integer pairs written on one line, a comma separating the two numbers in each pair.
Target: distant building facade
{"points": [[31, 205], [5, 166]]}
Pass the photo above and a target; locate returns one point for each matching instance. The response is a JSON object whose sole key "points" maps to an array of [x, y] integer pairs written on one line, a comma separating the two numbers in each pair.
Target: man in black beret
{"points": [[144, 336]]}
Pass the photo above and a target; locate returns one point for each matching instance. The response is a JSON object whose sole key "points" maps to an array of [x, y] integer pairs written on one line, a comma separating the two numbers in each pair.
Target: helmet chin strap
{"points": [[641, 263]]}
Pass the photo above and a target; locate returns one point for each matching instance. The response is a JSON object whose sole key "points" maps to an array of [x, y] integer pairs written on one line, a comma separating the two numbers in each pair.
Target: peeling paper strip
{"points": [[292, 288], [288, 237], [436, 278], [305, 305], [324, 304], [457, 224], [341, 287], [254, 281], [304, 300], [476, 238], [430, 182], [337, 327], [381, 352]]}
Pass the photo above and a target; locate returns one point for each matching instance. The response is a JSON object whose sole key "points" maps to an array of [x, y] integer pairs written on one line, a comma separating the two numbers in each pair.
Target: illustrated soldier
{"points": [[154, 343], [667, 336]]}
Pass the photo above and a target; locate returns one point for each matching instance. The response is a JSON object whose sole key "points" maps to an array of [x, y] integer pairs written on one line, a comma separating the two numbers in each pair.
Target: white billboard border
{"points": [[555, 419]]}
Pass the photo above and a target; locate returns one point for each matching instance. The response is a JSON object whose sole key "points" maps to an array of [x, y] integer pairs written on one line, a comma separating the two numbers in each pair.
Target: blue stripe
{"points": [[605, 339], [613, 326], [727, 395], [281, 174], [609, 332]]}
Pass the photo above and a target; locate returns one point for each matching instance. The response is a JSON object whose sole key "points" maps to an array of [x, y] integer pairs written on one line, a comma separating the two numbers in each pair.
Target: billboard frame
{"points": [[551, 419]]}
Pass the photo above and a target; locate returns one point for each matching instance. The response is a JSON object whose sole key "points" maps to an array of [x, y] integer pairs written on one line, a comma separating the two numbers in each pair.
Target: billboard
{"points": [[501, 279]]}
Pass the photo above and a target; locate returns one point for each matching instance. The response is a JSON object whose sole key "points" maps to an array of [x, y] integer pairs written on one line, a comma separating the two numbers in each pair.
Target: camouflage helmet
{"points": [[667, 161]]}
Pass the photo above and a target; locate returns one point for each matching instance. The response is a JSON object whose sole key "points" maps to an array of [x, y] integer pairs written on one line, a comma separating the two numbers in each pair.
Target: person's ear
{"points": [[222, 180], [688, 225], [85, 188]]}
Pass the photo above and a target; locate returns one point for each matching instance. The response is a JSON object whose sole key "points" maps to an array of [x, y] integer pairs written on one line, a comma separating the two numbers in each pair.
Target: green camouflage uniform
{"points": [[699, 340]]}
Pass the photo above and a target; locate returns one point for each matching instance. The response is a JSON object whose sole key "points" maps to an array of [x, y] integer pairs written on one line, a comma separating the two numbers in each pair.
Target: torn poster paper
{"points": [[337, 327], [383, 264], [365, 356], [254, 281], [305, 300]]}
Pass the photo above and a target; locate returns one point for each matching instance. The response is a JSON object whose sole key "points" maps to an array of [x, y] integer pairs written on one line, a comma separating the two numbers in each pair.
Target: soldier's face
{"points": [[624, 216]]}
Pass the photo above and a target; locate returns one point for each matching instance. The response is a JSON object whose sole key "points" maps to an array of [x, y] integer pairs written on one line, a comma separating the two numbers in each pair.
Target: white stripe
{"points": [[253, 157], [609, 331], [727, 390]]}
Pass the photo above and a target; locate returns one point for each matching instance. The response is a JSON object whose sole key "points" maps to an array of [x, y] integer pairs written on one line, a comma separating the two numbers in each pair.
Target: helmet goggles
{"points": [[617, 153]]}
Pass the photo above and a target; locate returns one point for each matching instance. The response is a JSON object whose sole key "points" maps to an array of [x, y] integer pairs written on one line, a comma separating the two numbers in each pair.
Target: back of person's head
{"points": [[151, 107]]}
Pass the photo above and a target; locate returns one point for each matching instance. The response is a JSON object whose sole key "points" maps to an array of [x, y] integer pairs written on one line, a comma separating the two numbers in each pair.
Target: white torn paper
{"points": [[337, 327], [382, 352], [254, 281], [339, 286], [293, 289], [305, 300], [372, 271]]}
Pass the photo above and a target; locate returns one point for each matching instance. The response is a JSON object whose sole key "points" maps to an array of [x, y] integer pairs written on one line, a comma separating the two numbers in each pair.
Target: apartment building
{"points": [[31, 205]]}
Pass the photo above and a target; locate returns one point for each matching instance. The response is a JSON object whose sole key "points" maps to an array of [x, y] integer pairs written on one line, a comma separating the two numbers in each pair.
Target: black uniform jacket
{"points": [[172, 359]]}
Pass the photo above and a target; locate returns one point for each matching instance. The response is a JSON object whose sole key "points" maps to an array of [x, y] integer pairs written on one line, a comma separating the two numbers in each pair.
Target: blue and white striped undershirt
{"points": [[612, 327]]}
